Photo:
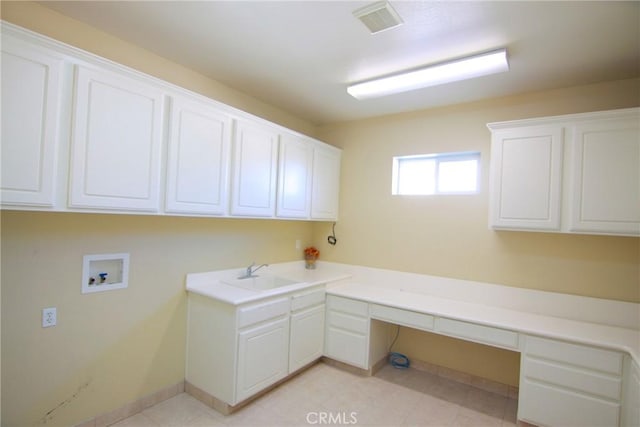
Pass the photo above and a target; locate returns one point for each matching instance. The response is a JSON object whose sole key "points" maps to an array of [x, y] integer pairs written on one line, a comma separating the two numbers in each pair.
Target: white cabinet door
{"points": [[631, 394], [199, 156], [117, 141], [526, 178], [294, 177], [30, 123], [255, 165], [262, 357], [606, 177], [307, 337], [568, 384], [347, 332], [326, 183]]}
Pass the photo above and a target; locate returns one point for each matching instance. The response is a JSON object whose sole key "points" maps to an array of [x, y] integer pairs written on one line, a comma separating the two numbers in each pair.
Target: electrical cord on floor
{"points": [[398, 360]]}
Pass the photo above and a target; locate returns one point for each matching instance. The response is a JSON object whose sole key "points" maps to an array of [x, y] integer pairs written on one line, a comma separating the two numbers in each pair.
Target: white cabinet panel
{"points": [[597, 359], [577, 173], [606, 176], [569, 384], [117, 141], [262, 357], [255, 163], [478, 333], [546, 405], [307, 337], [631, 395], [606, 386], [199, 156], [348, 347], [347, 332], [403, 317], [294, 177], [526, 177], [307, 299], [261, 311], [326, 183], [31, 84]]}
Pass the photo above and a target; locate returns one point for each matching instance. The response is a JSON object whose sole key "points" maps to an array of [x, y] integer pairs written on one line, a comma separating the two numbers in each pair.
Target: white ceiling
{"points": [[300, 55]]}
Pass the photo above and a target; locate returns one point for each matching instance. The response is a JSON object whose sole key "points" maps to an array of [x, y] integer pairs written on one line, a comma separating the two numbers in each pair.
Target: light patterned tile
{"points": [[325, 395], [487, 403], [470, 418], [431, 411], [179, 411]]}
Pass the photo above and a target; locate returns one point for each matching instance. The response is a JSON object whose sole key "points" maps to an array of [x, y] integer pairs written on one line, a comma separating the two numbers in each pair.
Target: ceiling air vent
{"points": [[378, 16]]}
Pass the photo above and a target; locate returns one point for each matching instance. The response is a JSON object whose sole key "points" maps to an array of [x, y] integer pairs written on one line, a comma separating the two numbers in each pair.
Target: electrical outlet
{"points": [[298, 244], [49, 317]]}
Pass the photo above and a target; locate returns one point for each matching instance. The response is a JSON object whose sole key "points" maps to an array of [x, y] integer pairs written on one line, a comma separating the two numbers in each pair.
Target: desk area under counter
{"points": [[573, 372]]}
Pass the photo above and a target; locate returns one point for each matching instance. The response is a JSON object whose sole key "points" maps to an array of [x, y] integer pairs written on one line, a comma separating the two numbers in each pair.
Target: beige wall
{"points": [[449, 235], [113, 348], [109, 348]]}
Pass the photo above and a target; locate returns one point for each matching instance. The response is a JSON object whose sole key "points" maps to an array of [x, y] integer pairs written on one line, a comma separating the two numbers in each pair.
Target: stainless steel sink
{"points": [[260, 283]]}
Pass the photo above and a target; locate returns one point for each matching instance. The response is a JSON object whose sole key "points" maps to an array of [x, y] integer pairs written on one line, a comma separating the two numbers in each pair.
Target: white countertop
{"points": [[598, 322], [623, 339], [210, 284]]}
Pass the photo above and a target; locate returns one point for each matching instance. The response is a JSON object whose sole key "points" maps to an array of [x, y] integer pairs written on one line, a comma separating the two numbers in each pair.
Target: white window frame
{"points": [[437, 158]]}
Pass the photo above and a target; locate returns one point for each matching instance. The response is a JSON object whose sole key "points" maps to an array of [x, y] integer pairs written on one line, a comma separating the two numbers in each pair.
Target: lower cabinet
{"points": [[262, 357], [347, 335], [631, 394], [307, 337], [234, 352], [565, 384]]}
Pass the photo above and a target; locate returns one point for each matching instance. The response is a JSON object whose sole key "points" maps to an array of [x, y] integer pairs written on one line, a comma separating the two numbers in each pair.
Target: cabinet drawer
{"points": [[548, 372], [347, 305], [574, 354], [348, 322], [482, 334], [307, 299], [402, 317], [250, 314], [347, 347], [546, 405]]}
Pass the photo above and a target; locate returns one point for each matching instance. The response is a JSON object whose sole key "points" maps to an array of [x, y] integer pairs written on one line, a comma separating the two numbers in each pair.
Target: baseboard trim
{"points": [[468, 379], [145, 402], [134, 408], [226, 409], [441, 371]]}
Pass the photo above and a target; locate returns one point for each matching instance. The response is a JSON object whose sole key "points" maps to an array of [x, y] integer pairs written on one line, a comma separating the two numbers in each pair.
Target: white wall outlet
{"points": [[298, 244], [49, 317]]}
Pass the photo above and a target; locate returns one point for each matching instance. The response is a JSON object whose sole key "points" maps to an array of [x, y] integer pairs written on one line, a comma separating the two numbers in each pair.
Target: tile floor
{"points": [[324, 395]]}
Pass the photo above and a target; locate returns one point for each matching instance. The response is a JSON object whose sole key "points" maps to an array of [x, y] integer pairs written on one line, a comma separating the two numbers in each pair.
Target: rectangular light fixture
{"points": [[437, 74]]}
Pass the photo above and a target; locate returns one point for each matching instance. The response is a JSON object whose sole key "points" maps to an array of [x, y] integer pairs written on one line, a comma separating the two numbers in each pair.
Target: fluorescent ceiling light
{"points": [[460, 69]]}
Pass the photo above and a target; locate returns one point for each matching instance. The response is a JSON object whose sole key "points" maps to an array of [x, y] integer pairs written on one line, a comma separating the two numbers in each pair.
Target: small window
{"points": [[446, 173]]}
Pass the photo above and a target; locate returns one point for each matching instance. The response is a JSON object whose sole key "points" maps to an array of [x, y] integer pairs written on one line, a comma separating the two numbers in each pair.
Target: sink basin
{"points": [[260, 283]]}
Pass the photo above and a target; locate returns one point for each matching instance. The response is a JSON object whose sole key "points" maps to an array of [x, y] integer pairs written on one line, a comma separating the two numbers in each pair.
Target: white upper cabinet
{"points": [[117, 142], [255, 170], [84, 134], [31, 83], [577, 173], [606, 176], [526, 178], [198, 158], [326, 182], [294, 177]]}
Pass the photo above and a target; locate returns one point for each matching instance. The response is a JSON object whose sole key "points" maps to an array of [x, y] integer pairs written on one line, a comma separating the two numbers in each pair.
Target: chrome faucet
{"points": [[250, 270]]}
